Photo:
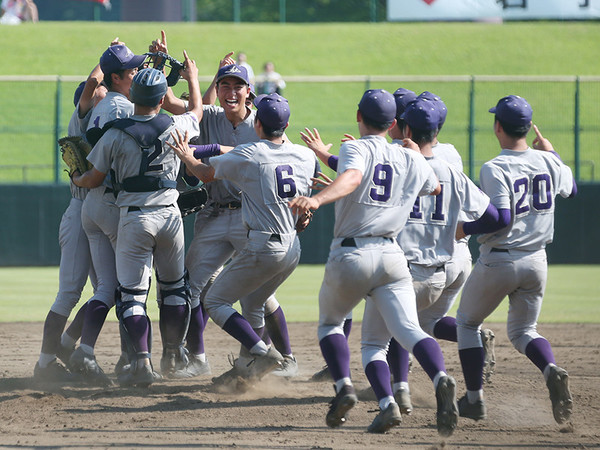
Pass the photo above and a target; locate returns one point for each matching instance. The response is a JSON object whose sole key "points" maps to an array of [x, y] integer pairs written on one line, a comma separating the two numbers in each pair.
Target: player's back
{"points": [[428, 238], [269, 175], [392, 178], [526, 182]]}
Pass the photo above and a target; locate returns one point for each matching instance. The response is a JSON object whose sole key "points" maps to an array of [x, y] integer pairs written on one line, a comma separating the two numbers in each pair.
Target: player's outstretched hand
{"points": [[348, 137], [312, 139], [540, 142], [301, 205], [321, 182], [159, 45], [181, 147], [190, 70]]}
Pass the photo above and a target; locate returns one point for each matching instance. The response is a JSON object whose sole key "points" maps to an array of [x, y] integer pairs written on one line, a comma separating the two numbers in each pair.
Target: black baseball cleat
{"points": [[474, 411], [558, 387], [343, 402], [138, 375], [386, 419], [89, 369], [447, 409], [53, 372]]}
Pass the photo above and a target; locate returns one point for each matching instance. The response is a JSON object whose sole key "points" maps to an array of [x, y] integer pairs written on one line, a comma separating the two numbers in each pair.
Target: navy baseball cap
{"points": [[438, 103], [378, 105], [119, 57], [422, 114], [273, 110], [514, 110], [252, 94], [78, 92], [233, 70], [403, 97]]}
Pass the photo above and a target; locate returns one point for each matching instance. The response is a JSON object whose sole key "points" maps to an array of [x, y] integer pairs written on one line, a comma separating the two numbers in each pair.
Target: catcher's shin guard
{"points": [[123, 310], [176, 294]]}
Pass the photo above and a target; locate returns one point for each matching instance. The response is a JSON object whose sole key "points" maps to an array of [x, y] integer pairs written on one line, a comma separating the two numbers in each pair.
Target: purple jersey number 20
{"points": [[541, 193]]}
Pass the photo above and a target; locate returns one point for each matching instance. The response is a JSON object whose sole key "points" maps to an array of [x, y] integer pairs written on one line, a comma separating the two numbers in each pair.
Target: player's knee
{"points": [[271, 305], [521, 340], [325, 330], [372, 352], [174, 293], [130, 302]]}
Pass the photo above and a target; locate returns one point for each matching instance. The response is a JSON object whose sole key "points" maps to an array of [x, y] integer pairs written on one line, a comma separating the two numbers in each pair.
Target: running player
{"points": [[374, 191], [522, 183]]}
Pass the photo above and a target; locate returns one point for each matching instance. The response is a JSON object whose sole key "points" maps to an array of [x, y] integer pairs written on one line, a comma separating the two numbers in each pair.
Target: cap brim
{"points": [[134, 62], [257, 100], [229, 75], [492, 110]]}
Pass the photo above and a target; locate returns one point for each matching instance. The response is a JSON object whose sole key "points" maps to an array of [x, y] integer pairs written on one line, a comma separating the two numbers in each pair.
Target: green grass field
{"points": [[571, 295], [528, 48]]}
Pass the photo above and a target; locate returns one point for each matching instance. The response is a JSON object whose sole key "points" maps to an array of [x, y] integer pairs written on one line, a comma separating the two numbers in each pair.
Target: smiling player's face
{"points": [[232, 93]]}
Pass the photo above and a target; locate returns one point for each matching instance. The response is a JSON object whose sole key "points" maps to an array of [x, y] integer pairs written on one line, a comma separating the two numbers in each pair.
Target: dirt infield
{"points": [[289, 413]]}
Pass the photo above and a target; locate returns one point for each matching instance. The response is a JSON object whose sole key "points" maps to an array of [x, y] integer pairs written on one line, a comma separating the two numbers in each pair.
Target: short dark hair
{"points": [[270, 132], [379, 126], [108, 78], [421, 137], [514, 131]]}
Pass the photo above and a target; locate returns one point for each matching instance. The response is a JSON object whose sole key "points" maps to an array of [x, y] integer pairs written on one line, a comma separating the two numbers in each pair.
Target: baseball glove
{"points": [[304, 221], [74, 152], [192, 201]]}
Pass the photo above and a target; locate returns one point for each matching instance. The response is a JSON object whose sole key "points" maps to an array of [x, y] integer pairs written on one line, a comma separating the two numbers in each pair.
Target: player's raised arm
{"points": [[210, 95], [190, 74]]}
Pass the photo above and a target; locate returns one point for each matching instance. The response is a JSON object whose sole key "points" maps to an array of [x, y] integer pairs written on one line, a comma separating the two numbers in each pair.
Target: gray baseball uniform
{"points": [[513, 260], [364, 258], [100, 215], [150, 225], [219, 230], [269, 175], [428, 239]]}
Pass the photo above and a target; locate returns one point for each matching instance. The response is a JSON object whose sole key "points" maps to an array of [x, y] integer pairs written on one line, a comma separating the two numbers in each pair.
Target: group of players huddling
{"points": [[403, 213]]}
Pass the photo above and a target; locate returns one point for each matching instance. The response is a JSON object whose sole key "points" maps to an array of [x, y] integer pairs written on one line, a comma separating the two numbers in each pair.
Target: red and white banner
{"points": [[494, 10]]}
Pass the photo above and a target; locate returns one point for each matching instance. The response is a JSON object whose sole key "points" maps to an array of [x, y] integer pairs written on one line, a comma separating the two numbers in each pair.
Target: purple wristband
{"points": [[206, 151]]}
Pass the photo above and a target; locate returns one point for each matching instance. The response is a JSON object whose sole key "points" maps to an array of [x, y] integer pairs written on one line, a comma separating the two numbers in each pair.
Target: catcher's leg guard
{"points": [[174, 309], [127, 309]]}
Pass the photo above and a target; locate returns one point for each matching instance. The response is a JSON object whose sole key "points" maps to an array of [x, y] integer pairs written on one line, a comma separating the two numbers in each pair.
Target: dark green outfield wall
{"points": [[31, 215]]}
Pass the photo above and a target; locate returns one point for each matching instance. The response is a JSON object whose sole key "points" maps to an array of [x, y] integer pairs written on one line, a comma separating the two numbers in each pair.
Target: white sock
{"points": [[474, 396], [437, 377], [339, 384], [385, 402], [67, 341], [260, 349], [403, 385], [45, 359], [547, 370]]}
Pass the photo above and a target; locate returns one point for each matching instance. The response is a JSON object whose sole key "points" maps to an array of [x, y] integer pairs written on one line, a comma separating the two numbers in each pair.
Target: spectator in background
{"points": [[242, 60], [269, 81], [13, 12]]}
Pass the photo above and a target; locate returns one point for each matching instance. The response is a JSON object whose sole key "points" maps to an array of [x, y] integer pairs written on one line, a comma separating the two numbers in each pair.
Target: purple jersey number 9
{"points": [[541, 193], [382, 178], [286, 187]]}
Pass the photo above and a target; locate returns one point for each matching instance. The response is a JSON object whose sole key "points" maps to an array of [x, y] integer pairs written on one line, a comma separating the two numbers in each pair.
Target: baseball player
{"points": [[100, 214], [374, 191], [522, 183], [268, 173], [150, 226], [218, 229], [75, 262], [428, 239]]}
